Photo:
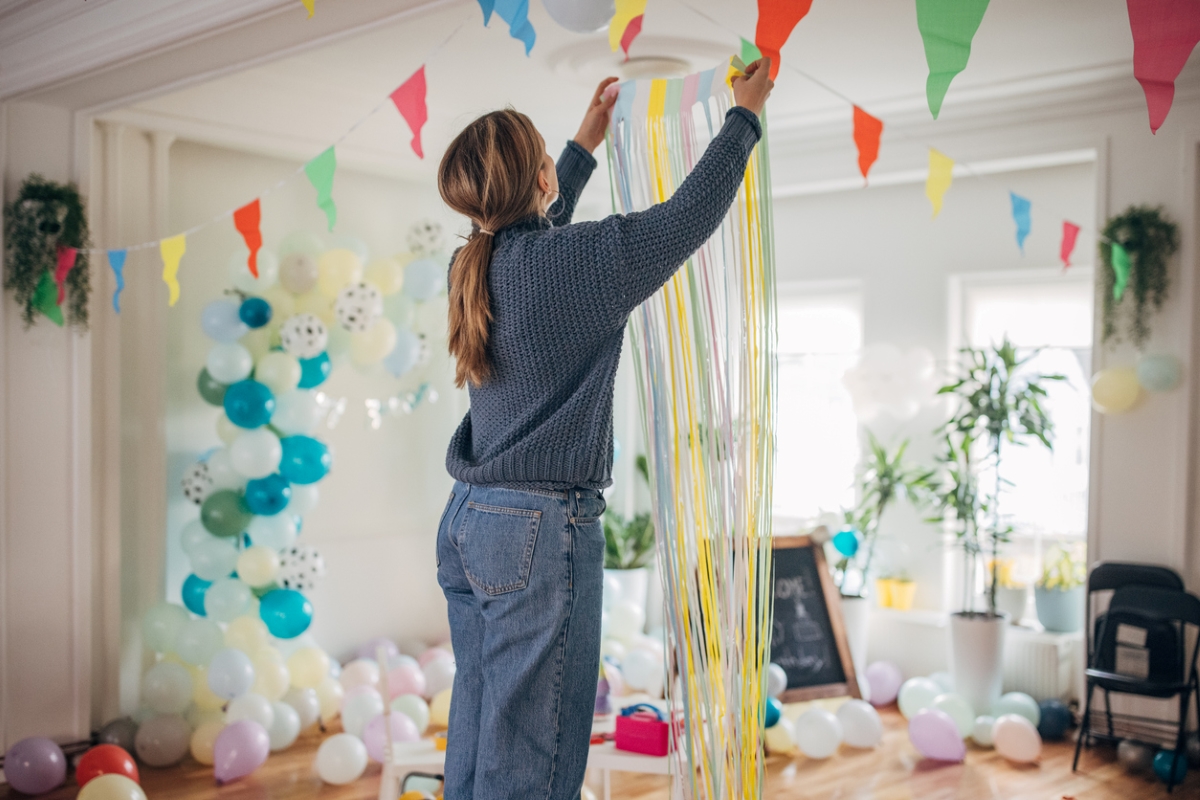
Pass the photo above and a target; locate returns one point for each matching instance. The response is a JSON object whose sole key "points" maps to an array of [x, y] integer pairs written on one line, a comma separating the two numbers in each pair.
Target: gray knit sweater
{"points": [[561, 295]]}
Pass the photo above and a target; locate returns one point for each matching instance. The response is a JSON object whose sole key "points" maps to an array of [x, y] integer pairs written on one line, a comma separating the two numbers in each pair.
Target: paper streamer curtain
{"points": [[1020, 211], [1164, 34], [626, 24], [776, 20], [941, 173], [704, 353], [947, 28]]}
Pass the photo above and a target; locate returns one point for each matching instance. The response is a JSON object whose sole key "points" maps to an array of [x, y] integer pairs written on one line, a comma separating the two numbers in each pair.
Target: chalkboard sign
{"points": [[808, 638]]}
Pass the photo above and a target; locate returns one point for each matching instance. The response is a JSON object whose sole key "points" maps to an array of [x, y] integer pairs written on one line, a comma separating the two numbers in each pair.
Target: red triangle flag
{"points": [[867, 130], [1164, 34], [410, 102], [65, 263], [776, 20], [246, 219], [1070, 233]]}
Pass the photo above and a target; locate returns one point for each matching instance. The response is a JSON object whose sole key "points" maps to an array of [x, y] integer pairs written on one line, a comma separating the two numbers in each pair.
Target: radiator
{"points": [[1044, 665]]}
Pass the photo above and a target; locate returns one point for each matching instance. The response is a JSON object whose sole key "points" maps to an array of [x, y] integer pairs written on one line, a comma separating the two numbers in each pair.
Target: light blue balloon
{"points": [[400, 309], [226, 599], [220, 321], [277, 531], [230, 673], [1159, 373], [405, 354], [213, 558], [424, 278]]}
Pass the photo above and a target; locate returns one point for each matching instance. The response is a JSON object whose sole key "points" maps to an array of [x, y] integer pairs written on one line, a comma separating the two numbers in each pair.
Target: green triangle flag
{"points": [[320, 174], [45, 298], [750, 53], [947, 28], [1120, 268]]}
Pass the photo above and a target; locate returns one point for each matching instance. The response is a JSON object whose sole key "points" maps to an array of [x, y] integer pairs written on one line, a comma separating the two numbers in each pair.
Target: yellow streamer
{"points": [[172, 251], [627, 11], [941, 169]]}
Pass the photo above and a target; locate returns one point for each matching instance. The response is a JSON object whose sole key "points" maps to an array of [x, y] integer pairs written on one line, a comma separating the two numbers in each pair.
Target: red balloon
{"points": [[105, 759]]}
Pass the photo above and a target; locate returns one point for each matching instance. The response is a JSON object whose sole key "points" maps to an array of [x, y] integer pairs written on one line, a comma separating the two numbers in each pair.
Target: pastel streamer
{"points": [[1121, 268], [116, 260], [172, 251], [947, 28], [704, 355], [941, 173], [64, 263], [867, 132], [1070, 232], [623, 19], [1164, 34], [516, 14], [776, 21], [247, 220], [320, 174], [311, 5], [409, 99], [1020, 211]]}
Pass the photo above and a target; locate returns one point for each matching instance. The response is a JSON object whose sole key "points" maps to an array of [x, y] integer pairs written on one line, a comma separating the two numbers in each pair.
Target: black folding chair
{"points": [[1152, 623]]}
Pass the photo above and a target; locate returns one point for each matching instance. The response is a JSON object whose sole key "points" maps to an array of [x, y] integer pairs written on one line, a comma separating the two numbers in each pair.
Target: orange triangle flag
{"points": [[867, 130], [776, 20], [246, 219]]}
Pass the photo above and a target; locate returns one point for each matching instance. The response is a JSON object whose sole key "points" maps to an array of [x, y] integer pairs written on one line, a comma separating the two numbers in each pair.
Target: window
{"points": [[820, 334]]}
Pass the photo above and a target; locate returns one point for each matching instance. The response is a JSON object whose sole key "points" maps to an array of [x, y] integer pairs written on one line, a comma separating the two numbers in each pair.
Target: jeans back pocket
{"points": [[496, 544]]}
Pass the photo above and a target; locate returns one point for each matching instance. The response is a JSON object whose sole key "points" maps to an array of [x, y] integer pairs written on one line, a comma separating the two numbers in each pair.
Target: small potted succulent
{"points": [[1059, 594]]}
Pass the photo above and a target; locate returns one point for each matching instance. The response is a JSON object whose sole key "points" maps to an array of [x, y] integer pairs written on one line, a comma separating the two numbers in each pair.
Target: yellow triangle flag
{"points": [[172, 250], [941, 168], [627, 12], [311, 5]]}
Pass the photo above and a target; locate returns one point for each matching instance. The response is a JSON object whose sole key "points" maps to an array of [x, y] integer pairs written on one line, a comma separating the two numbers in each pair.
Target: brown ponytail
{"points": [[489, 174]]}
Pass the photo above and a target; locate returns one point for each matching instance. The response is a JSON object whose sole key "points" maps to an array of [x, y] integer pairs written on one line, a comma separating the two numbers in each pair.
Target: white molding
{"points": [[5, 310], [1103, 174]]}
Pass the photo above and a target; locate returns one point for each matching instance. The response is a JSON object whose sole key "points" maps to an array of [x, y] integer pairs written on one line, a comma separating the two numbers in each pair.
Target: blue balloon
{"points": [[268, 496], [286, 612], [314, 371], [1054, 721], [194, 588], [305, 460], [405, 354], [774, 712], [249, 404], [255, 312], [1163, 762], [219, 320], [424, 278], [846, 542]]}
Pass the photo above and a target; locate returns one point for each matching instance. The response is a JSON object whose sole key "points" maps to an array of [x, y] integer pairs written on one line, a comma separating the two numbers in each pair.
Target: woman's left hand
{"points": [[595, 121]]}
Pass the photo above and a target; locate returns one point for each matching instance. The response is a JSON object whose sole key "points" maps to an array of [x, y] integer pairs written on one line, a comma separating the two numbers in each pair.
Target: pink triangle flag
{"points": [[1067, 246], [410, 102], [1164, 34]]}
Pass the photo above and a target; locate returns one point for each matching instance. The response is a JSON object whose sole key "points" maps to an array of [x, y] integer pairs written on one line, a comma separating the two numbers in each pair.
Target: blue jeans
{"points": [[523, 573]]}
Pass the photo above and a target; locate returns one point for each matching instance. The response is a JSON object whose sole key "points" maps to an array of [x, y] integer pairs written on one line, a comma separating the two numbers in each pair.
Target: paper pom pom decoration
{"points": [[304, 336]]}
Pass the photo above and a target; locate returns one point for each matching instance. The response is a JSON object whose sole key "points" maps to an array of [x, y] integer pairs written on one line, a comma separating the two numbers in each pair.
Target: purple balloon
{"points": [[368, 649], [885, 680], [935, 736], [35, 765], [375, 738], [241, 748]]}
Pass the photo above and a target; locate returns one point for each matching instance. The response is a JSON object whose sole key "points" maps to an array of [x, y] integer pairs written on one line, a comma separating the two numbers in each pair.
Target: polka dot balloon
{"points": [[197, 483], [425, 237], [358, 307], [300, 568], [304, 336]]}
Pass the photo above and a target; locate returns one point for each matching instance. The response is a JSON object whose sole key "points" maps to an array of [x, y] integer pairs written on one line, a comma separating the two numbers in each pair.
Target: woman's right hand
{"points": [[750, 91]]}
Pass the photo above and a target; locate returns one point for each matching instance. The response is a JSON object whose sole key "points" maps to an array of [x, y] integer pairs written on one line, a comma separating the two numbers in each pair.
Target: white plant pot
{"points": [[1012, 601], [626, 586], [856, 613], [977, 658]]}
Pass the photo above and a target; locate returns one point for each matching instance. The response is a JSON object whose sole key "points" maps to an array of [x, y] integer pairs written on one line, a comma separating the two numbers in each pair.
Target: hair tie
{"points": [[486, 232]]}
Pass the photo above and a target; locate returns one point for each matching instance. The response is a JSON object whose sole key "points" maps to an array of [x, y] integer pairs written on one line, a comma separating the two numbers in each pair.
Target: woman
{"points": [[537, 316]]}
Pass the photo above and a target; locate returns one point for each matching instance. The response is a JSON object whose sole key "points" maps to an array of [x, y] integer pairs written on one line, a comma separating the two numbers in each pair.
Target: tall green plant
{"points": [[997, 407]]}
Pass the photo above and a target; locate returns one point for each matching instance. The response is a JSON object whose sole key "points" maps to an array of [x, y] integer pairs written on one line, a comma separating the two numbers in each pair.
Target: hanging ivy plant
{"points": [[43, 217], [1149, 239]]}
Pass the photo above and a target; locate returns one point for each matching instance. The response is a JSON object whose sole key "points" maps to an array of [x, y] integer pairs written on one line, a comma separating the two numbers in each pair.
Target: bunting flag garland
{"points": [[409, 99], [867, 132], [172, 251], [1120, 268], [626, 24], [65, 262], [45, 298], [1164, 34], [1070, 232], [941, 173], [516, 14], [750, 52], [947, 28], [320, 174], [1020, 211], [311, 5], [247, 220], [776, 21], [116, 260]]}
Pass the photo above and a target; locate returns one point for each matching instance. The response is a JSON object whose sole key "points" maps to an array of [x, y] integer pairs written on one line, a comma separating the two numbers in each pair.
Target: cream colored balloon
{"points": [[111, 787], [371, 346], [226, 430], [248, 634], [439, 709], [308, 667], [204, 697], [258, 566], [329, 695], [271, 676], [258, 342], [1115, 390], [337, 269], [779, 737], [318, 305], [283, 304], [279, 371], [204, 739], [387, 274]]}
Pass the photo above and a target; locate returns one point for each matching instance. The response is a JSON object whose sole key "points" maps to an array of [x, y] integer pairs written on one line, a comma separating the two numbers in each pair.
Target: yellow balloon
{"points": [[204, 697], [283, 304], [337, 269], [204, 739], [258, 565], [196, 716], [318, 305], [226, 430], [369, 347], [278, 371], [439, 709], [779, 738], [258, 342], [308, 667], [1115, 390], [111, 787], [329, 695], [387, 274], [271, 676], [246, 633]]}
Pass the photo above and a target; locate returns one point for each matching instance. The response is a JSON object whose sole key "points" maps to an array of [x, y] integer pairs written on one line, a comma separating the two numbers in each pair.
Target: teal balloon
{"points": [[774, 712], [314, 371], [305, 460], [255, 312], [210, 389], [405, 354], [194, 588], [268, 496], [1163, 762], [1159, 373], [249, 404], [846, 542], [286, 612], [424, 278]]}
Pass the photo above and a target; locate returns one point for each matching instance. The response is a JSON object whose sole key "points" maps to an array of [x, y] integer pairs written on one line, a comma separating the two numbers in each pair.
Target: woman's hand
{"points": [[750, 91], [595, 121]]}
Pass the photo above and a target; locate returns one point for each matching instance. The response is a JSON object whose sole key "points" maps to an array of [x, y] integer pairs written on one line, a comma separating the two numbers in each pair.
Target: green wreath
{"points": [[43, 216]]}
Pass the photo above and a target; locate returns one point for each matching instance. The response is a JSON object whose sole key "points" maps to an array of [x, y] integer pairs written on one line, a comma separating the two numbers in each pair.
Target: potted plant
{"points": [[1011, 594], [628, 549], [1059, 594], [896, 591], [996, 406], [1136, 245]]}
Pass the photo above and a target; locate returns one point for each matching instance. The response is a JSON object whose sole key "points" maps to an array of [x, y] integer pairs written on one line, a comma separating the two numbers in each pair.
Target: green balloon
{"points": [[212, 392], [224, 514]]}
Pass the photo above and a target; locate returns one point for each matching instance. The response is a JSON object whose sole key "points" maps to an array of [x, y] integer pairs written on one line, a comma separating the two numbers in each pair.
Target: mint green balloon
{"points": [[161, 626], [199, 641], [224, 513], [227, 599], [1020, 704]]}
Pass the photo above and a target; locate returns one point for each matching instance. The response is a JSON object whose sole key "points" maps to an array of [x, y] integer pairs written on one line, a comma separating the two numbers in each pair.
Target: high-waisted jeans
{"points": [[523, 576]]}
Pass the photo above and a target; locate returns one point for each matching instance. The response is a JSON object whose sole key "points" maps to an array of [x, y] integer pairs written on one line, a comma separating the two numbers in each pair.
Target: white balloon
{"points": [[277, 531], [305, 497], [439, 675], [861, 726], [643, 671], [222, 473], [341, 759], [609, 648], [889, 381], [358, 307], [818, 733], [304, 336], [193, 535], [360, 672], [776, 680], [250, 706], [229, 363], [306, 705], [959, 710], [242, 278], [415, 708], [284, 728], [625, 620], [612, 590], [297, 412], [361, 709], [981, 730], [944, 680], [256, 453], [917, 694], [167, 688], [581, 16]]}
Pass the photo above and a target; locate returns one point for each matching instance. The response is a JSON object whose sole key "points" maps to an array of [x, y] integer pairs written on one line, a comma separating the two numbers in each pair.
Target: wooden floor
{"points": [[894, 771]]}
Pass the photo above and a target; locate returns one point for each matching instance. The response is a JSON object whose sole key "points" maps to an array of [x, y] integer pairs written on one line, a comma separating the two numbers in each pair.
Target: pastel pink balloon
{"points": [[885, 680], [935, 736], [241, 747], [374, 735], [370, 649], [1016, 739], [406, 679], [360, 672], [431, 654]]}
